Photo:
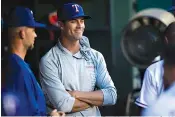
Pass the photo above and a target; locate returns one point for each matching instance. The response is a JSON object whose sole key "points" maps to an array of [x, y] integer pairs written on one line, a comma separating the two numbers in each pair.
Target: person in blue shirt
{"points": [[21, 94]]}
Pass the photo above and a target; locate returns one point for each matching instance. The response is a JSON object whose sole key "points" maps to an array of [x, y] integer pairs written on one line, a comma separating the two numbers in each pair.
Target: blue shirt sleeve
{"points": [[53, 86], [104, 82], [20, 91]]}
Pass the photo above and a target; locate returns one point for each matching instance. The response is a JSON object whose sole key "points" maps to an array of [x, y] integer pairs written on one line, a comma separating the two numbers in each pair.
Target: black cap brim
{"points": [[86, 17], [75, 17]]}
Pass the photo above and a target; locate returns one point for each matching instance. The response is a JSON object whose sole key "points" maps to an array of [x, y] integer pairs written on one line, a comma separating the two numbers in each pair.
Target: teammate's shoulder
{"points": [[159, 108], [156, 65], [50, 54], [15, 66], [14, 62]]}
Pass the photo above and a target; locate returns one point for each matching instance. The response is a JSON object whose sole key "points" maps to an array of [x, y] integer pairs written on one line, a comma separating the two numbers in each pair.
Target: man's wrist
{"points": [[78, 94]]}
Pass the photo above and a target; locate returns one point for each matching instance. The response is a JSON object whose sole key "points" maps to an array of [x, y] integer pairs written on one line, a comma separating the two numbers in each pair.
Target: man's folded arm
{"points": [[55, 90], [107, 93]]}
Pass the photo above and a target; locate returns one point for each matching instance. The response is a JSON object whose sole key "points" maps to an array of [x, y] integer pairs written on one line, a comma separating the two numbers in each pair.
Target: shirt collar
{"points": [[77, 55], [84, 48]]}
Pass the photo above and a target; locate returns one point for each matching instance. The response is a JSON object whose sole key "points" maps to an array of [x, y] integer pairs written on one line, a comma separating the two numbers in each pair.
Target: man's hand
{"points": [[57, 113], [78, 105]]}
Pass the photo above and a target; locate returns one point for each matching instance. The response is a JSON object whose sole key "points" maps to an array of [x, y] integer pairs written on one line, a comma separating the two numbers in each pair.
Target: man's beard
{"points": [[31, 47], [75, 38]]}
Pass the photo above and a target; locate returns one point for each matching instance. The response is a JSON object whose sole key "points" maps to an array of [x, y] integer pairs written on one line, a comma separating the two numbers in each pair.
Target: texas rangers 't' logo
{"points": [[76, 7]]}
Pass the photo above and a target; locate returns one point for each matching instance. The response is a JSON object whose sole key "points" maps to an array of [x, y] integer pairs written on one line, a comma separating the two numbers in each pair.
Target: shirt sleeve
{"points": [[164, 105], [53, 86], [105, 83], [18, 96], [148, 91]]}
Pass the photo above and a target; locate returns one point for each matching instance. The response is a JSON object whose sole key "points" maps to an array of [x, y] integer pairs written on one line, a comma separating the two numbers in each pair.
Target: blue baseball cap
{"points": [[71, 11], [21, 16]]}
